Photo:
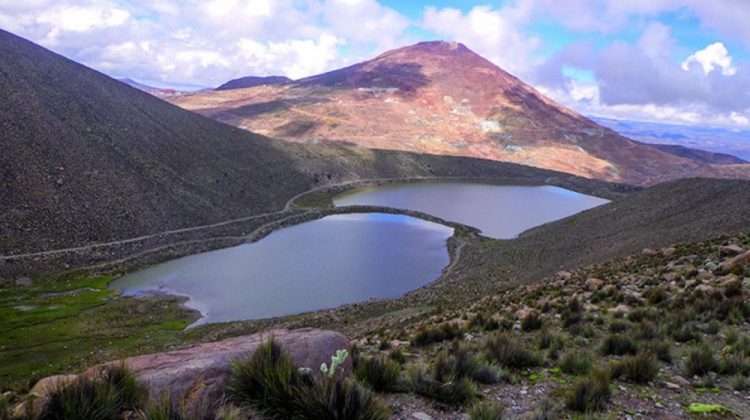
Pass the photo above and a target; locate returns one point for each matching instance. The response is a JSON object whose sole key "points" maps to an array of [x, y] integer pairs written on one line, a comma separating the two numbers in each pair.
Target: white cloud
{"points": [[365, 21], [294, 58], [713, 55], [496, 34]]}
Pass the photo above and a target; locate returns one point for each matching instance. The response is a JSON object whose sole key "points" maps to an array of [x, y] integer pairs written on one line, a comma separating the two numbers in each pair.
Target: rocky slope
{"points": [[442, 98]]}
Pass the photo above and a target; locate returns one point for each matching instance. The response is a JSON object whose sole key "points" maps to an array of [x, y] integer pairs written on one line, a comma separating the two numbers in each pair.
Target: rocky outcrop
{"points": [[199, 374]]}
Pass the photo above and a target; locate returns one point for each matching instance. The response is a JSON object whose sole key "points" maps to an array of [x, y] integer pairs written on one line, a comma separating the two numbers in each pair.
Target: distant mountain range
{"points": [[442, 98], [251, 81], [715, 140]]}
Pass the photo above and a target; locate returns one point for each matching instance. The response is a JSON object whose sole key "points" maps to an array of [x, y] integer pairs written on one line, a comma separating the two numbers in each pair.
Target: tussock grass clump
{"points": [[661, 349], [740, 383], [398, 356], [700, 361], [429, 335], [269, 382], [102, 397], [328, 398], [732, 364], [577, 362], [507, 352], [460, 363], [487, 411], [266, 380], [618, 345], [532, 321], [640, 369], [380, 373], [618, 326], [686, 333], [590, 393], [454, 392], [163, 408]]}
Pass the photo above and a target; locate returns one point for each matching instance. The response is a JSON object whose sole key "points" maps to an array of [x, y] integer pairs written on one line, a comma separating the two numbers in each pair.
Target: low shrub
{"points": [[700, 361], [507, 352], [487, 411], [590, 393], [577, 362], [380, 373], [429, 335], [618, 345]]}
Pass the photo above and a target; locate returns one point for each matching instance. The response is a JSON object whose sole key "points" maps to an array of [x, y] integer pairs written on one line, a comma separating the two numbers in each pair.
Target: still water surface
{"points": [[499, 211], [315, 265]]}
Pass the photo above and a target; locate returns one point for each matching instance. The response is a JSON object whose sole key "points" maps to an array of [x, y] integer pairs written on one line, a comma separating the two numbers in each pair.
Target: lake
{"points": [[349, 258], [315, 265], [499, 211]]}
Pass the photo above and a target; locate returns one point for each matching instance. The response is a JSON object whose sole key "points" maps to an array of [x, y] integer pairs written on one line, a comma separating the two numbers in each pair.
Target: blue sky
{"points": [[677, 61]]}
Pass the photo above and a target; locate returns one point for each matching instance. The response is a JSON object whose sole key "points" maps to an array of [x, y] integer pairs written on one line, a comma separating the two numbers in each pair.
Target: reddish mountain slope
{"points": [[442, 98]]}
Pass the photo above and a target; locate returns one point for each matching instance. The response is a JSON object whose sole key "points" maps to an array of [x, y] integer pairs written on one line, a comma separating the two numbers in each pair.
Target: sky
{"points": [[675, 61]]}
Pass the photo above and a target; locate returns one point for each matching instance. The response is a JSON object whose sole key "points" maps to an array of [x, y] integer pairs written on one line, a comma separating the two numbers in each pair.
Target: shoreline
{"points": [[119, 257]]}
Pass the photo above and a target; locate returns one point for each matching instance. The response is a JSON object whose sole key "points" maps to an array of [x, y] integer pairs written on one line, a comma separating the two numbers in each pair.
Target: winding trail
{"points": [[286, 209]]}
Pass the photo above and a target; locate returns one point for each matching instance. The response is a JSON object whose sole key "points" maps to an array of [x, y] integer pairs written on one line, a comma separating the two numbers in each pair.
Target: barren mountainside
{"points": [[442, 98]]}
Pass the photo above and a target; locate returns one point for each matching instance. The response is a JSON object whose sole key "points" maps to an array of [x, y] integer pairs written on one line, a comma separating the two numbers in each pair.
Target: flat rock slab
{"points": [[199, 374]]}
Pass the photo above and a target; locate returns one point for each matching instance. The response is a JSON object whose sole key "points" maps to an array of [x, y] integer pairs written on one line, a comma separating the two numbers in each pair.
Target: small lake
{"points": [[499, 211], [315, 265]]}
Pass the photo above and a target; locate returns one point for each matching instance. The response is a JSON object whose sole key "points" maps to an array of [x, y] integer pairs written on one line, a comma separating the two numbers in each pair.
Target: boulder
{"points": [[200, 373], [740, 260], [731, 250]]}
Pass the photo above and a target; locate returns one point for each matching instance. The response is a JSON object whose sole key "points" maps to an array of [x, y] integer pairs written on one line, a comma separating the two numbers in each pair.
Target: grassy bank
{"points": [[64, 327]]}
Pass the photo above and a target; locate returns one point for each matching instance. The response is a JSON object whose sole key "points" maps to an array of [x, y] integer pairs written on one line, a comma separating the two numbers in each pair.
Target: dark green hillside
{"points": [[86, 159], [675, 212]]}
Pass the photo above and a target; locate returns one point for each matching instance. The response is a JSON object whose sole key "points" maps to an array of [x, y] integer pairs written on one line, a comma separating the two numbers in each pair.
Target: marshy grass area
{"points": [[51, 328]]}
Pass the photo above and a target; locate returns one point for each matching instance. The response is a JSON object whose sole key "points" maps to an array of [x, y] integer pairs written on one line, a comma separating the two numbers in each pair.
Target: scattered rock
{"points": [[672, 386], [731, 250], [621, 309], [740, 260], [679, 380], [24, 281], [421, 416], [650, 252], [668, 251], [593, 284]]}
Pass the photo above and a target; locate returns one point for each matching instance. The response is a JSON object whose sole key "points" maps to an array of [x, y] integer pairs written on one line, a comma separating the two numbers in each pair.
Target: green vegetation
{"points": [[590, 393], [268, 382], [65, 327], [381, 373], [487, 411], [314, 200], [102, 397]]}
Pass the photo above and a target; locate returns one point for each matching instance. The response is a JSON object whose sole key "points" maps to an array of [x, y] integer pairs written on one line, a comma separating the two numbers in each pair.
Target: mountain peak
{"points": [[440, 97]]}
